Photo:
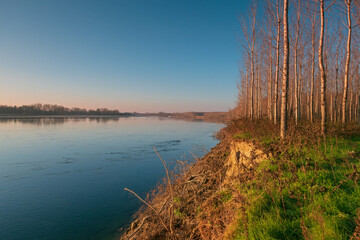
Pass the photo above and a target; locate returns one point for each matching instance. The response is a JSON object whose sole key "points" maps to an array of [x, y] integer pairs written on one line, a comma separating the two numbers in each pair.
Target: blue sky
{"points": [[131, 55]]}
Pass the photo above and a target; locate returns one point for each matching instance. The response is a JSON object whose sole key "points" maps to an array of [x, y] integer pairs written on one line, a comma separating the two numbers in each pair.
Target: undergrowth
{"points": [[307, 188]]}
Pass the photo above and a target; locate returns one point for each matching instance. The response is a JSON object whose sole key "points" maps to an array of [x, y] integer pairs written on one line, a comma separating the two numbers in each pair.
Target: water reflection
{"points": [[56, 120], [67, 182], [39, 121]]}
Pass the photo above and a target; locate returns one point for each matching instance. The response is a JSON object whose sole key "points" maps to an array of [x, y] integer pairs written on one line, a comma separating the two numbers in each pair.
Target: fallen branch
{"points": [[137, 229], [167, 172], [126, 189]]}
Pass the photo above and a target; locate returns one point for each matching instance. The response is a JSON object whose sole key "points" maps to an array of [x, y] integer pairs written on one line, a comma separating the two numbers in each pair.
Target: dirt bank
{"points": [[254, 185], [199, 203]]}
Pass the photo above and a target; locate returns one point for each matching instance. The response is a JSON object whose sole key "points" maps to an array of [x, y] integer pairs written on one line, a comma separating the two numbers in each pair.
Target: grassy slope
{"points": [[307, 190]]}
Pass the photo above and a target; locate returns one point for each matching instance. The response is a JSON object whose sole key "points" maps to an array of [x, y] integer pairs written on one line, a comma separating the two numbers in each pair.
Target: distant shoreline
{"points": [[215, 117], [65, 116]]}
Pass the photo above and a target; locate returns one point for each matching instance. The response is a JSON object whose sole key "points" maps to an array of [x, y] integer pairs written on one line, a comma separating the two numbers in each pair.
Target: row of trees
{"points": [[48, 109], [318, 43]]}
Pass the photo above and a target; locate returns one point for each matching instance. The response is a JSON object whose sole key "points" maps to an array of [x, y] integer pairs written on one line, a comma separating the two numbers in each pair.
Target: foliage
{"points": [[48, 109], [307, 190]]}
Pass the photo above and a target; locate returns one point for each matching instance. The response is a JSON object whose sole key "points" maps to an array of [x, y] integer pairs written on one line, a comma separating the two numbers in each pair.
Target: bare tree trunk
{"points": [[336, 87], [335, 110], [331, 107], [285, 82], [270, 79], [326, 61], [357, 109], [347, 63], [252, 87], [250, 37], [316, 102], [296, 90], [296, 83], [260, 93], [312, 70], [322, 69], [276, 93], [248, 95], [300, 87], [245, 96], [258, 110], [350, 106]]}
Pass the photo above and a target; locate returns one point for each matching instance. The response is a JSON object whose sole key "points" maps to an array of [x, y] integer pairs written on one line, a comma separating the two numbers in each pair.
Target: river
{"points": [[63, 178]]}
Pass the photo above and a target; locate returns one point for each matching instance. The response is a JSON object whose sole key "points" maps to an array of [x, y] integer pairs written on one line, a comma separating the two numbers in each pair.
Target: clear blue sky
{"points": [[131, 55]]}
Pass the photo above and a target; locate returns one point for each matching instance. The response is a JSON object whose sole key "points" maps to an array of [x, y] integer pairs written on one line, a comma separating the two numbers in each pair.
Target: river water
{"points": [[63, 178]]}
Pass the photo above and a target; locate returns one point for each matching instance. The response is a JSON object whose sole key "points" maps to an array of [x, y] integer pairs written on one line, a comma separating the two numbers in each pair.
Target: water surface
{"points": [[63, 178]]}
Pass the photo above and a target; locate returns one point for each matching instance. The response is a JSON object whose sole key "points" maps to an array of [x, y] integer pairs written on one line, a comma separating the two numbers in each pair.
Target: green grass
{"points": [[242, 136], [179, 214], [309, 190], [225, 196]]}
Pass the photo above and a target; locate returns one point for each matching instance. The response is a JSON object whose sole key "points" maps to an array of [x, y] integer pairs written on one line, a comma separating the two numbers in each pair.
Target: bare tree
{"points": [[336, 112], [296, 75], [303, 82], [347, 63], [313, 27], [274, 10], [277, 67], [250, 36], [285, 82], [270, 74], [322, 69]]}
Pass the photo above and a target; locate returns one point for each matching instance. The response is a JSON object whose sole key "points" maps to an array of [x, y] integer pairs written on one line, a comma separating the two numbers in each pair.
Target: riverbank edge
{"points": [[192, 186], [209, 200]]}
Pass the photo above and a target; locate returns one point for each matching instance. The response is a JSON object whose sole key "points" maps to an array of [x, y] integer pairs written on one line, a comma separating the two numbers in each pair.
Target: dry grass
{"points": [[185, 202], [198, 202]]}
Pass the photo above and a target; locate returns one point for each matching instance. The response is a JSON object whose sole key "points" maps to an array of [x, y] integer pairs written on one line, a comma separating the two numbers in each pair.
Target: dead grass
{"points": [[186, 208], [197, 201]]}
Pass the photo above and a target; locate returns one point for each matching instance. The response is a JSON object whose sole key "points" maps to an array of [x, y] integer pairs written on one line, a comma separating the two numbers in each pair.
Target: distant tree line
{"points": [[48, 109], [200, 115], [301, 60]]}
